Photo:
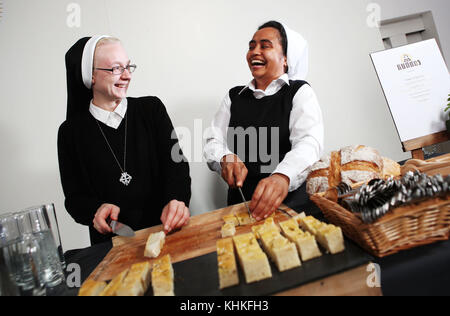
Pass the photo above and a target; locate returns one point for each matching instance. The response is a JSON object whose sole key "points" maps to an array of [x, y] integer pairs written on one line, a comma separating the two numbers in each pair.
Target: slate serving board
{"points": [[199, 276]]}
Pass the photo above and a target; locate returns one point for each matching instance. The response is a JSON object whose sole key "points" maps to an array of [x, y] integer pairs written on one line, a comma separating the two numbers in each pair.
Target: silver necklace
{"points": [[125, 178]]}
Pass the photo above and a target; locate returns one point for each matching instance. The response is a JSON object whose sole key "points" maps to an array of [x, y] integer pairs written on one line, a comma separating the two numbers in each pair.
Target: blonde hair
{"points": [[105, 41]]}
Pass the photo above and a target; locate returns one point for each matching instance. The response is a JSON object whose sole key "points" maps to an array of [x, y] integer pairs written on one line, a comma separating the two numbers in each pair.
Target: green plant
{"points": [[448, 105]]}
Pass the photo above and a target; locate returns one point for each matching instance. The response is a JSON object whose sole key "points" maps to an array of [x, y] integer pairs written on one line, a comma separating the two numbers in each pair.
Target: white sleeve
{"points": [[306, 136], [216, 136]]}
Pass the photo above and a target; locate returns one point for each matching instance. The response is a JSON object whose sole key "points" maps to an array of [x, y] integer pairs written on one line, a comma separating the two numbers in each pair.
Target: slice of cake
{"points": [[305, 242], [163, 277], [328, 236], [137, 280], [91, 288], [232, 219], [228, 275], [228, 230], [252, 259], [155, 242]]}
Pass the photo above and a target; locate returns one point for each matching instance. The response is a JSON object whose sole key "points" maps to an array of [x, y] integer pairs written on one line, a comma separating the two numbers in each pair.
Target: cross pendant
{"points": [[125, 178]]}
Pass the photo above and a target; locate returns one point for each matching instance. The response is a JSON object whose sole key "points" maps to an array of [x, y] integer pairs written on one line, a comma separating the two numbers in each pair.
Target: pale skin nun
{"points": [[108, 136], [109, 90]]}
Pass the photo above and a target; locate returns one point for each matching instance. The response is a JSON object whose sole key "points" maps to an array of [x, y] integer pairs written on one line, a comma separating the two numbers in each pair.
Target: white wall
{"points": [[189, 53], [440, 9]]}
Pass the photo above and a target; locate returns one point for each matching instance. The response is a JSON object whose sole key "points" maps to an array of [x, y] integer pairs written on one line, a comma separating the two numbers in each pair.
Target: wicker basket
{"points": [[403, 228]]}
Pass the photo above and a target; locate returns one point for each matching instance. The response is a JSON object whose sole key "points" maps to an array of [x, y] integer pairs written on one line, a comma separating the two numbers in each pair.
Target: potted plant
{"points": [[447, 123]]}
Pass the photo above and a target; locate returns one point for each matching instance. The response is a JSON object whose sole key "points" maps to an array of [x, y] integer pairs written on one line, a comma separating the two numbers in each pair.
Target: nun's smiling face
{"points": [[107, 87], [265, 57]]}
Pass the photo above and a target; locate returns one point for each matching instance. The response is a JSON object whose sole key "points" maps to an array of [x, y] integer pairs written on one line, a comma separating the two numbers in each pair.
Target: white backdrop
{"points": [[189, 53]]}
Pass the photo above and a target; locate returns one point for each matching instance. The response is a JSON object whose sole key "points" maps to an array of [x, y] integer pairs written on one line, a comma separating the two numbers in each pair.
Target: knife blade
{"points": [[121, 229], [245, 202], [285, 212]]}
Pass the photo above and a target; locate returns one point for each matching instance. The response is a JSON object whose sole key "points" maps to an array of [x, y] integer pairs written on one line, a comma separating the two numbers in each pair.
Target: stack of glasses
{"points": [[31, 256]]}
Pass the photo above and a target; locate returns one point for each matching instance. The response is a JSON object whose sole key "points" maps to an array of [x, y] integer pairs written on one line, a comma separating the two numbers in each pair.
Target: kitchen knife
{"points": [[245, 202], [121, 229], [285, 212]]}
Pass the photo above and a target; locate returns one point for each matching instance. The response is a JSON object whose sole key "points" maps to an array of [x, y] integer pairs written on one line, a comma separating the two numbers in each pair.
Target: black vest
{"points": [[259, 133]]}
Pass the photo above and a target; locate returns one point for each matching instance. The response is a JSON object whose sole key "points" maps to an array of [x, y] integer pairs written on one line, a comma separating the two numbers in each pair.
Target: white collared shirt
{"points": [[305, 126], [111, 119]]}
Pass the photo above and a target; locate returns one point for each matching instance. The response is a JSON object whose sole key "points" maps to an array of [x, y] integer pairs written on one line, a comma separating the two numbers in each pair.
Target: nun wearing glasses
{"points": [[115, 153], [267, 134]]}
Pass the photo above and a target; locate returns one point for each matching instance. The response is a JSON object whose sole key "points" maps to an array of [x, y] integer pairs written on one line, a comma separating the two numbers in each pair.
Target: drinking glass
{"points": [[21, 254], [48, 221], [7, 285], [35, 222]]}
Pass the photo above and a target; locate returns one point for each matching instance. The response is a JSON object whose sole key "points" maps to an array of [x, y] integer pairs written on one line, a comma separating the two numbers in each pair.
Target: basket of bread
{"points": [[378, 207]]}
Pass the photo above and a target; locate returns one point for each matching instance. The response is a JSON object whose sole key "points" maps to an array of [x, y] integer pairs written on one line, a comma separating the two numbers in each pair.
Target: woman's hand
{"points": [[234, 171], [174, 215], [268, 195], [103, 213]]}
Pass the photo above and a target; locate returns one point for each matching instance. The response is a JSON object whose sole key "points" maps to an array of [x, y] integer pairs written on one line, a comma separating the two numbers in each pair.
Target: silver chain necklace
{"points": [[125, 178]]}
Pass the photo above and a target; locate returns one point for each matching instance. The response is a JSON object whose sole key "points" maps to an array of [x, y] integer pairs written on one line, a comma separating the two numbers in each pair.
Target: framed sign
{"points": [[416, 84]]}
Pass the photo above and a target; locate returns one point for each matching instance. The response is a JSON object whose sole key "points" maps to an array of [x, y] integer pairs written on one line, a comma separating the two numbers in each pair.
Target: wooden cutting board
{"points": [[196, 239]]}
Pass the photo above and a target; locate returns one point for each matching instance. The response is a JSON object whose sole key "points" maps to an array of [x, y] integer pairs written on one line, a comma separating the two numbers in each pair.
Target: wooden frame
{"points": [[416, 145]]}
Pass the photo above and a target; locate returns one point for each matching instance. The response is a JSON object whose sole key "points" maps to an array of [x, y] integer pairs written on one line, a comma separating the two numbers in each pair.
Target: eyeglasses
{"points": [[118, 70]]}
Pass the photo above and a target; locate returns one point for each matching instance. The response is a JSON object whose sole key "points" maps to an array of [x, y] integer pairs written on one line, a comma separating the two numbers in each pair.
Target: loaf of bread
{"points": [[228, 274], [267, 226], [390, 168], [115, 284], [252, 259], [282, 252], [244, 218], [91, 288], [305, 242], [137, 280], [163, 277], [329, 236], [228, 230], [231, 219], [155, 242], [352, 164]]}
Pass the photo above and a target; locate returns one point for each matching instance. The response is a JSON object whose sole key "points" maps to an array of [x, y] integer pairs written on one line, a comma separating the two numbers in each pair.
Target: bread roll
{"points": [[352, 164]]}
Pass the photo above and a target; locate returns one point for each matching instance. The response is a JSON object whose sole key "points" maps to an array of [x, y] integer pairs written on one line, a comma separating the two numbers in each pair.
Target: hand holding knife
{"points": [[245, 202], [121, 229]]}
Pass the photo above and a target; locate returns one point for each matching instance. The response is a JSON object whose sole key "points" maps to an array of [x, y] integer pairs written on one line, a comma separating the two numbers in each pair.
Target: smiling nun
{"points": [[115, 152], [276, 115]]}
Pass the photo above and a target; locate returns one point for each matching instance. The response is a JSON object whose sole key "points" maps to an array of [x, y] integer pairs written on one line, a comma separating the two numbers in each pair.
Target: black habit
{"points": [[90, 175]]}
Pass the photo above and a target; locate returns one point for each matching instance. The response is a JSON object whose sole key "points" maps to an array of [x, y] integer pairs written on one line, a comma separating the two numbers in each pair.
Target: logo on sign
{"points": [[408, 62]]}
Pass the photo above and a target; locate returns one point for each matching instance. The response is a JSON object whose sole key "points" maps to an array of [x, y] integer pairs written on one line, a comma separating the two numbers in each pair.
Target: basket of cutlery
{"points": [[390, 215]]}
